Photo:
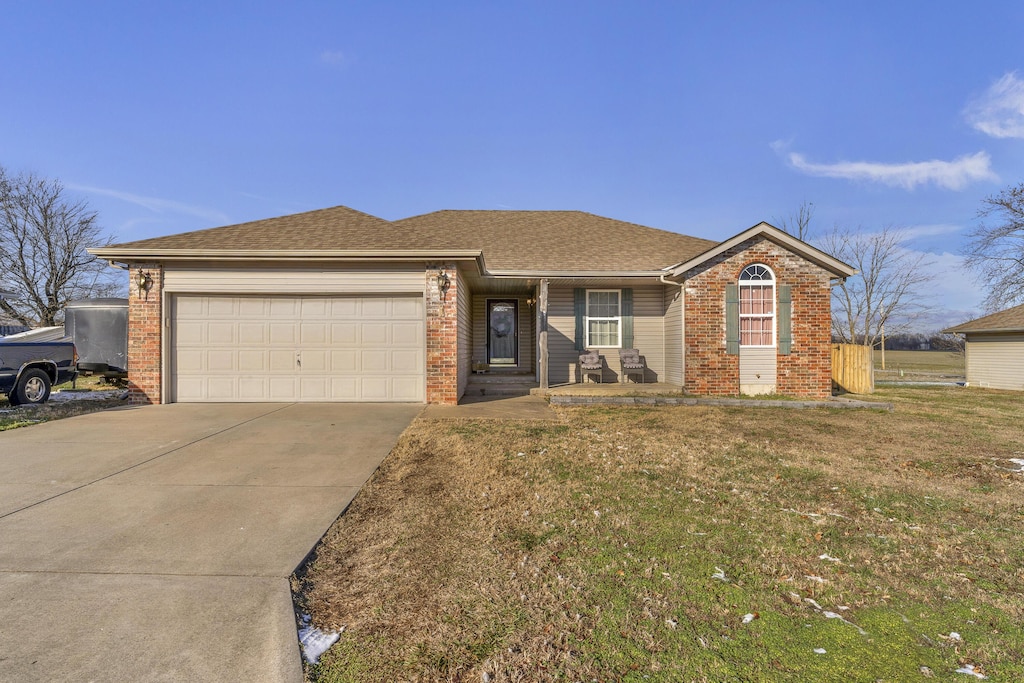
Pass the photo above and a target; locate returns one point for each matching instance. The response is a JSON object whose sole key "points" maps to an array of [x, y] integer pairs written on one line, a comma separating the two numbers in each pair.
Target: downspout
{"points": [[682, 324]]}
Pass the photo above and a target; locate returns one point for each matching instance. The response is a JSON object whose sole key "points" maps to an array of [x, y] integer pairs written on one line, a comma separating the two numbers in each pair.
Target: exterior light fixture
{"points": [[444, 283], [143, 281]]}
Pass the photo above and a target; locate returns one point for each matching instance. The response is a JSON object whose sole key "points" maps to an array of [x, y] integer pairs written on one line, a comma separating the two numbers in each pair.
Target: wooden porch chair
{"points": [[591, 364], [632, 364]]}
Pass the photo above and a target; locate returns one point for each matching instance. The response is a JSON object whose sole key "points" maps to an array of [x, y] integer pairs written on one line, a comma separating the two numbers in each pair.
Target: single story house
{"points": [[995, 349], [339, 305]]}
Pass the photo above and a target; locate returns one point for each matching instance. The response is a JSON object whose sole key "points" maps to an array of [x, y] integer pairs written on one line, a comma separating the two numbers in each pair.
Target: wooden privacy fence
{"points": [[853, 368]]}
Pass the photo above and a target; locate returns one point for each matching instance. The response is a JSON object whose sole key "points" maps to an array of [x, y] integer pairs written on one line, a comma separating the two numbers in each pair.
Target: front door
{"points": [[503, 332]]}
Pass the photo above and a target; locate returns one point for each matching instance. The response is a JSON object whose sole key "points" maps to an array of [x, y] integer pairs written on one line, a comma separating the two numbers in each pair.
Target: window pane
{"points": [[602, 304], [604, 332]]}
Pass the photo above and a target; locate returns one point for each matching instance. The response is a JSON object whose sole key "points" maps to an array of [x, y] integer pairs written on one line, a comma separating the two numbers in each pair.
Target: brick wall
{"points": [[442, 337], [144, 336], [807, 371]]}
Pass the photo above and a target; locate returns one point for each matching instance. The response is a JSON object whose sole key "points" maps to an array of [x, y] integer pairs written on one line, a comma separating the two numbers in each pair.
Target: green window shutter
{"points": [[785, 320], [627, 318], [732, 319], [579, 300]]}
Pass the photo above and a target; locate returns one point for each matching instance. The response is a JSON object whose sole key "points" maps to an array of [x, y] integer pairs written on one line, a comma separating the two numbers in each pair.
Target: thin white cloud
{"points": [[952, 175], [155, 204], [933, 230], [334, 58], [999, 111]]}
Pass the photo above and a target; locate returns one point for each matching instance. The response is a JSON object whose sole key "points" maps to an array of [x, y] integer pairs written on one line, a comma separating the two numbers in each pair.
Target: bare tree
{"points": [[889, 290], [995, 251], [798, 223], [43, 259]]}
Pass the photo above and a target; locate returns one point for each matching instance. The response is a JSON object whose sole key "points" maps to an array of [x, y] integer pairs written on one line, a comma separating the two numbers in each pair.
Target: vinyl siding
{"points": [[648, 335], [527, 335], [465, 333], [380, 279], [996, 361], [757, 370]]}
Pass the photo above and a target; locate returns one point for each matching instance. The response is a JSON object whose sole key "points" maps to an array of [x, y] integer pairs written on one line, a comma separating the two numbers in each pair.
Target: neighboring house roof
{"points": [[509, 241], [1009, 320], [770, 232]]}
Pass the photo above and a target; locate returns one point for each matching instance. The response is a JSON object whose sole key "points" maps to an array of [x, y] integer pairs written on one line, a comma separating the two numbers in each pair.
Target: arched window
{"points": [[757, 306]]}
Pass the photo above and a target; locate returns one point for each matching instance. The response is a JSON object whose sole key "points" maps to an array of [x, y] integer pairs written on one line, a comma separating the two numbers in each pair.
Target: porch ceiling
{"points": [[505, 284]]}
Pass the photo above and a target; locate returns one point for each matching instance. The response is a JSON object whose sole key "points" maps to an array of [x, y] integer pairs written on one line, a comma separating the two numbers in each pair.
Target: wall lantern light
{"points": [[143, 281], [444, 283]]}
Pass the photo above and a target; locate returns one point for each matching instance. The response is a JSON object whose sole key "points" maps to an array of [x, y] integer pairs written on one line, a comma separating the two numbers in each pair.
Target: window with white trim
{"points": [[757, 306], [604, 319]]}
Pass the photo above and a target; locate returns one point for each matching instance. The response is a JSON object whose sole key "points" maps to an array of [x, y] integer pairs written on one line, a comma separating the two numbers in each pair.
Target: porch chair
{"points": [[591, 364], [632, 364]]}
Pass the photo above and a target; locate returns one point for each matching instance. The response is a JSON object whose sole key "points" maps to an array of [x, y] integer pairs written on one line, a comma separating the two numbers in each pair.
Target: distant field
{"points": [[943, 362]]}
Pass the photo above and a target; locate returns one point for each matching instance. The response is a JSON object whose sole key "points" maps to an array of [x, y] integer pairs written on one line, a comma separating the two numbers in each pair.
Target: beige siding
{"points": [[465, 332], [527, 326], [673, 335], [381, 279], [996, 361], [648, 335], [757, 371]]}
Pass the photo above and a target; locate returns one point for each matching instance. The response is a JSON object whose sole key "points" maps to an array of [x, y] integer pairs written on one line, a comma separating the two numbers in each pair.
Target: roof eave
{"points": [[983, 330], [812, 254], [115, 254], [576, 273]]}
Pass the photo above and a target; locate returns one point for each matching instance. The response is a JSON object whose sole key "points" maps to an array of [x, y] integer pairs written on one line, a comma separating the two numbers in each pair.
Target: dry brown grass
{"points": [[584, 550]]}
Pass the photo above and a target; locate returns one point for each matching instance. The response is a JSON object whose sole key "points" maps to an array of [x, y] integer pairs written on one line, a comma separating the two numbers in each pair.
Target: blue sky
{"points": [[701, 118]]}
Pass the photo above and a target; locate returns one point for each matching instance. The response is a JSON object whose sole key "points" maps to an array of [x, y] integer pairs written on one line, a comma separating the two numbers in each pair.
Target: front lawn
{"points": [[687, 544]]}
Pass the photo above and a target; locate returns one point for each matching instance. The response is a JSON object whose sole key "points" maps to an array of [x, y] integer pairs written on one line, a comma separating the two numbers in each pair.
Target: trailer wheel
{"points": [[33, 388]]}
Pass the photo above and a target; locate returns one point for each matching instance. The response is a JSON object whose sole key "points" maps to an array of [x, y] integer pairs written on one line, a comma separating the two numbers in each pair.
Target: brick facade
{"points": [[806, 371], [442, 336], [145, 340]]}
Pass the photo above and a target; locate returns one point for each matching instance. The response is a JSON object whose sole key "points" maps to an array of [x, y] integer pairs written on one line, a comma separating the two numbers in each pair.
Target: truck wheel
{"points": [[33, 388]]}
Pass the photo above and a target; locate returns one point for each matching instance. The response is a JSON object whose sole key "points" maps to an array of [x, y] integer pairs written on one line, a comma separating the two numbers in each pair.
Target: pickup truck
{"points": [[29, 369]]}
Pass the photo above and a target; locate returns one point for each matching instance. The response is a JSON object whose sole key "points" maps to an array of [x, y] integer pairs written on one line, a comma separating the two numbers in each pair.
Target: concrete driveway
{"points": [[155, 543]]}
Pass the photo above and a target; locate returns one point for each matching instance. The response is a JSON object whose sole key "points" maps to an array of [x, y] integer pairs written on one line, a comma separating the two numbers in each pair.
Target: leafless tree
{"points": [[995, 250], [889, 291], [798, 223], [43, 259]]}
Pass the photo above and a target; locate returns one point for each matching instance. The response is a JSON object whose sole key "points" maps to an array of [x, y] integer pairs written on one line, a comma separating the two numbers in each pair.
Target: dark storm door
{"points": [[503, 332]]}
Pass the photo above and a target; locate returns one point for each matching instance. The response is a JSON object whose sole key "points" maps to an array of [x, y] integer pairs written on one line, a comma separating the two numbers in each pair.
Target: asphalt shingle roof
{"points": [[1009, 320], [510, 240]]}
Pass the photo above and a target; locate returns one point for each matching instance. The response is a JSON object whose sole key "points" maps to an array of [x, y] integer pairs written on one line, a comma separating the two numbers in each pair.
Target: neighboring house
{"points": [[338, 305], [995, 349]]}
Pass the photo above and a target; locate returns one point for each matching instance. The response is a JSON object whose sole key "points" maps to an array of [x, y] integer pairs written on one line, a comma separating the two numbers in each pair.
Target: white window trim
{"points": [[587, 318], [761, 316]]}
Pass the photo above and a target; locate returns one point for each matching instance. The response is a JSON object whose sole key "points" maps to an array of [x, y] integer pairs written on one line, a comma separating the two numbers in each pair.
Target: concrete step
{"points": [[498, 384]]}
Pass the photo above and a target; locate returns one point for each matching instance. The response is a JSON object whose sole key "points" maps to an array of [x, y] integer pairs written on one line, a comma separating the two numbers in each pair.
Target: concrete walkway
{"points": [[156, 543], [493, 407]]}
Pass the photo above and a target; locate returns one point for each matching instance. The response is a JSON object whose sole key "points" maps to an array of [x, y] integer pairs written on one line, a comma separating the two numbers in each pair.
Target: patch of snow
{"points": [[969, 669], [819, 650], [314, 641], [826, 556], [747, 618], [953, 635], [815, 578], [833, 615], [672, 623], [720, 575]]}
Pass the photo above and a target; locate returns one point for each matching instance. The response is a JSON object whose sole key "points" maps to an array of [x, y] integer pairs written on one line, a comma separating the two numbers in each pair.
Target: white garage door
{"points": [[298, 348]]}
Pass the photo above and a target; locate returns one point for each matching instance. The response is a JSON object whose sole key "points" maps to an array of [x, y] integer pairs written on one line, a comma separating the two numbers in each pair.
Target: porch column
{"points": [[542, 332], [145, 333]]}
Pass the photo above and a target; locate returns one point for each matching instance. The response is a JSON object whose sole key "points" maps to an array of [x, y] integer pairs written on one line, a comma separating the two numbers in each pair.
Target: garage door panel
{"points": [[221, 359], [252, 333], [374, 361], [283, 333], [294, 348], [282, 361], [406, 361], [374, 333], [221, 307]]}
